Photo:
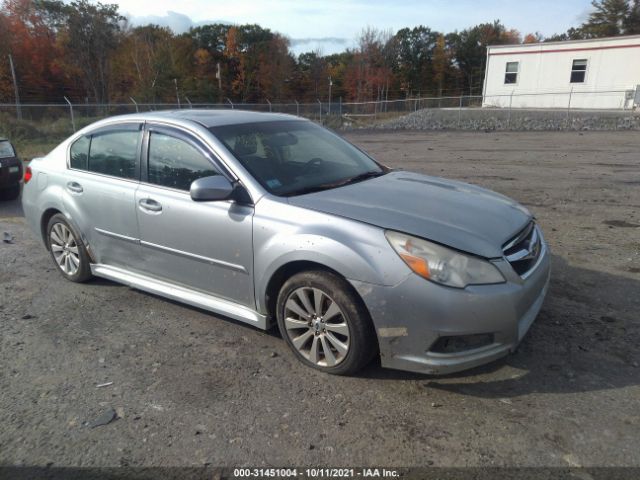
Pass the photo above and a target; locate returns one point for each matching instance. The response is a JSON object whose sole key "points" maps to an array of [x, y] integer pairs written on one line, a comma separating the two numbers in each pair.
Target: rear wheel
{"points": [[67, 250], [325, 323]]}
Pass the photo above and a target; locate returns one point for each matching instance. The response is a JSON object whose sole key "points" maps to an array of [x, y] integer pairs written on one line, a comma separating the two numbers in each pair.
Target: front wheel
{"points": [[67, 250], [325, 323]]}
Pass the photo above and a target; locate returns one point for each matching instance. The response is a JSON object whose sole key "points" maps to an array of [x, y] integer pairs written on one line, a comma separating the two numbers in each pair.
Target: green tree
{"points": [[632, 22], [413, 57], [608, 19], [470, 51]]}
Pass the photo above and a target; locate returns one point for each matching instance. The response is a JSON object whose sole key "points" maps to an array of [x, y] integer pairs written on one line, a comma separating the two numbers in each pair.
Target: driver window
{"points": [[176, 164]]}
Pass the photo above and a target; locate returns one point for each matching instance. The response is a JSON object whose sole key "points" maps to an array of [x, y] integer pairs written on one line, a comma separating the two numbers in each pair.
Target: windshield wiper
{"points": [[360, 177], [326, 186]]}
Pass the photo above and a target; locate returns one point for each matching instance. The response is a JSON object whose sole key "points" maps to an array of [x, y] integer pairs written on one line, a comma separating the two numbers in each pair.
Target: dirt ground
{"points": [[194, 389]]}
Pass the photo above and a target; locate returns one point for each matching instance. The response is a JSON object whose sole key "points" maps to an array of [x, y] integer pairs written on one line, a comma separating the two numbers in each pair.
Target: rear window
{"points": [[6, 150]]}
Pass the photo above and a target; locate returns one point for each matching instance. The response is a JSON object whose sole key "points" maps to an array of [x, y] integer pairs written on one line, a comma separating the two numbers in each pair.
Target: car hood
{"points": [[456, 214]]}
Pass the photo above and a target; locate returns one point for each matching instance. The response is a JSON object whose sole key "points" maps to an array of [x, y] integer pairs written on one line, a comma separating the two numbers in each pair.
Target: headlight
{"points": [[443, 265]]}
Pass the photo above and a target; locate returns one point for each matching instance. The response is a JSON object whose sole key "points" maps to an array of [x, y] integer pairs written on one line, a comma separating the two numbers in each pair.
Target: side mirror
{"points": [[210, 189]]}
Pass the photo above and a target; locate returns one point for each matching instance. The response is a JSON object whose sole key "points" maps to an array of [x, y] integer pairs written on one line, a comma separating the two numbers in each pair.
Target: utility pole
{"points": [[330, 85], [15, 89], [175, 81], [219, 77]]}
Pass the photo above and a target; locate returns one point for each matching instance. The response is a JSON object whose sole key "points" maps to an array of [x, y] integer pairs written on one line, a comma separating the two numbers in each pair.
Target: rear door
{"points": [[99, 192], [206, 246]]}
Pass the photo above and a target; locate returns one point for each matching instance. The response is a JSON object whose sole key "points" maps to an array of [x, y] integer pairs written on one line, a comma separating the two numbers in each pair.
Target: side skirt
{"points": [[182, 294]]}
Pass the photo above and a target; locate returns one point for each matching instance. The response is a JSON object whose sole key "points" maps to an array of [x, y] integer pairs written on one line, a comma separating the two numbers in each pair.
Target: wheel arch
{"points": [[289, 269], [44, 221]]}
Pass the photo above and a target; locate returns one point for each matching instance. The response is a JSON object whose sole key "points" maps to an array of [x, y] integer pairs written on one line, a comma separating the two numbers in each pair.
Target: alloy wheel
{"points": [[64, 248], [316, 326]]}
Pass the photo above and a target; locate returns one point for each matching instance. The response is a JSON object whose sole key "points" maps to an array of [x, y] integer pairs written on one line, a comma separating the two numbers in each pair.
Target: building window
{"points": [[578, 71], [511, 72]]}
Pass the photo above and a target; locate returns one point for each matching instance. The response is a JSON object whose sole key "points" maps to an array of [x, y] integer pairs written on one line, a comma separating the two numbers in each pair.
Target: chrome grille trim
{"points": [[524, 250]]}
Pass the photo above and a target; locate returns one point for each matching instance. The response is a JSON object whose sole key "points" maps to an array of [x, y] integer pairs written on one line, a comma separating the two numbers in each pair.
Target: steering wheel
{"points": [[315, 163]]}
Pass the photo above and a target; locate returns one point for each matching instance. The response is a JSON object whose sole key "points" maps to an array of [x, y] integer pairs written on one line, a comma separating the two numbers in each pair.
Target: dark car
{"points": [[10, 171]]}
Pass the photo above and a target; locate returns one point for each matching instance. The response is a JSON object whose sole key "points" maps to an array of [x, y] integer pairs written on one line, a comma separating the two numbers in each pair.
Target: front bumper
{"points": [[410, 318]]}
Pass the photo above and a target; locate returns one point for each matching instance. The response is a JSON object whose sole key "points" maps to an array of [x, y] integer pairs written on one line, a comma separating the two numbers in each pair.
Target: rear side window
{"points": [[6, 150], [80, 153], [115, 153], [175, 163]]}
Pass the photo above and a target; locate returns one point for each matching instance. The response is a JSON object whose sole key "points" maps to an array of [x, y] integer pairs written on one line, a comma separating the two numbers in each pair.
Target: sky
{"points": [[332, 25]]}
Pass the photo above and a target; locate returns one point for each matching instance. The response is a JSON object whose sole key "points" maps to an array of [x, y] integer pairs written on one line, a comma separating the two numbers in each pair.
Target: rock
{"points": [[7, 238], [27, 317], [273, 354], [105, 418]]}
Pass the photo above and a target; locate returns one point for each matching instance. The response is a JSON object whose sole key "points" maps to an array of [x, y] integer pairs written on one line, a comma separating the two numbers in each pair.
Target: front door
{"points": [[202, 245]]}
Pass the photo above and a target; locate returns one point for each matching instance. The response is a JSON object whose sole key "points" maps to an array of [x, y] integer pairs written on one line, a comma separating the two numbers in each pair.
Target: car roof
{"points": [[215, 118]]}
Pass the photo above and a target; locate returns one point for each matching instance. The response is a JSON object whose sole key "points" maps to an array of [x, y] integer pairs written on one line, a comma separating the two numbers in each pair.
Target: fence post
{"points": [[73, 121], [269, 104], [569, 106], [297, 108], [510, 104], [15, 88], [340, 106], [320, 103], [230, 103], [460, 112], [135, 103]]}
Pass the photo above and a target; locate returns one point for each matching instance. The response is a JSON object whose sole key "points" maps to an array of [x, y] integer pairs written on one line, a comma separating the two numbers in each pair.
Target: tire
{"points": [[67, 250], [343, 322], [11, 193]]}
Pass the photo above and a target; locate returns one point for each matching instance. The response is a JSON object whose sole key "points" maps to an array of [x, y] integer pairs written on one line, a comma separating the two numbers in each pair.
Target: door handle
{"points": [[150, 205], [74, 187]]}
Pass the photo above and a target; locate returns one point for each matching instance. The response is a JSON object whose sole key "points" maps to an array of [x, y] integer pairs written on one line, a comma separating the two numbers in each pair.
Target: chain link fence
{"points": [[52, 122]]}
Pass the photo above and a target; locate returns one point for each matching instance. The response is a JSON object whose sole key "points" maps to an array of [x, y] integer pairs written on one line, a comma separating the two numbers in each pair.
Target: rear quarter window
{"points": [[6, 150], [79, 154]]}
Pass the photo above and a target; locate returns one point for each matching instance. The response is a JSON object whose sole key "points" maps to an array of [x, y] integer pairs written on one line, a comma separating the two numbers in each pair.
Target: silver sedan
{"points": [[269, 218]]}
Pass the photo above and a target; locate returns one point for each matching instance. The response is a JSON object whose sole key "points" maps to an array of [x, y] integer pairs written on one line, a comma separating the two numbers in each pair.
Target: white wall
{"points": [[547, 70]]}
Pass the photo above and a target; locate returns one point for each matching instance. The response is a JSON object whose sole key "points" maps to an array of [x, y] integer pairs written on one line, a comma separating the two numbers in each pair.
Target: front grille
{"points": [[523, 250]]}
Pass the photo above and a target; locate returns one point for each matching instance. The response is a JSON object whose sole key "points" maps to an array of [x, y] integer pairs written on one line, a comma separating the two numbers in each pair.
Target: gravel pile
{"points": [[521, 120]]}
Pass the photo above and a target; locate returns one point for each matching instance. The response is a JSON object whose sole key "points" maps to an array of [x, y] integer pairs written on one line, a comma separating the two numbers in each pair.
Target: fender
{"points": [[357, 251]]}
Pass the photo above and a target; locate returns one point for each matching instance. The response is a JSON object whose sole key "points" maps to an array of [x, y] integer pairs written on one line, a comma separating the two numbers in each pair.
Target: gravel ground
{"points": [[190, 388]]}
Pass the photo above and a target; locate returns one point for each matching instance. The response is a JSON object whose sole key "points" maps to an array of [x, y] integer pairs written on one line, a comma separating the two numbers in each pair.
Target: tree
{"points": [[89, 35], [27, 35], [607, 20], [632, 22], [533, 38], [413, 56], [441, 64], [470, 47]]}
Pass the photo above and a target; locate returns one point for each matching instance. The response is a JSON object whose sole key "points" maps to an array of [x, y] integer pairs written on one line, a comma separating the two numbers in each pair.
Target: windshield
{"points": [[293, 157], [6, 150]]}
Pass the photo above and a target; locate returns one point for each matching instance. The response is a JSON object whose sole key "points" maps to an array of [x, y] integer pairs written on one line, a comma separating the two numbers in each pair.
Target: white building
{"points": [[601, 73]]}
